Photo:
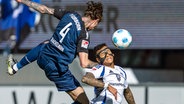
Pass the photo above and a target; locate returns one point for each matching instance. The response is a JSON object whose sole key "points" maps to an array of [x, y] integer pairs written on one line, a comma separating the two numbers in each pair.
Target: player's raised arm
{"points": [[39, 7], [85, 62]]}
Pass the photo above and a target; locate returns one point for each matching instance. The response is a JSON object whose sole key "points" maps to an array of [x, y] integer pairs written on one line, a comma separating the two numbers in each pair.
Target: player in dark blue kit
{"points": [[69, 39]]}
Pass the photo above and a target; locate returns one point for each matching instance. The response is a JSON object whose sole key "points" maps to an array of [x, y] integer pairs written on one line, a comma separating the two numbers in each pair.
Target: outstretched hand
{"points": [[113, 91], [19, 1]]}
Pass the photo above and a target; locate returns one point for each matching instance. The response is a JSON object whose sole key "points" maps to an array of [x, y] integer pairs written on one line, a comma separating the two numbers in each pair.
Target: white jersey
{"points": [[116, 77]]}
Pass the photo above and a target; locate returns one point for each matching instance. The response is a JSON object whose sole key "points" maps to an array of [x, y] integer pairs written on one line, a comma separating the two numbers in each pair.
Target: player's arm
{"points": [[39, 7], [85, 62], [129, 96], [90, 79], [82, 50]]}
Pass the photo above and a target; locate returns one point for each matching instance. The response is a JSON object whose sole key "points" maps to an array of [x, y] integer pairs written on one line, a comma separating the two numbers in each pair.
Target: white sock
{"points": [[15, 67]]}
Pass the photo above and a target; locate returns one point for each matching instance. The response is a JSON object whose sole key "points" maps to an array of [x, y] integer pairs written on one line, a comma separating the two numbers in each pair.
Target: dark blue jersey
{"points": [[69, 38]]}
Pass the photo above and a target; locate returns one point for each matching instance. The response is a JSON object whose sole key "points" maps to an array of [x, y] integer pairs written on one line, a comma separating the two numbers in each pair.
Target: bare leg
{"points": [[79, 96]]}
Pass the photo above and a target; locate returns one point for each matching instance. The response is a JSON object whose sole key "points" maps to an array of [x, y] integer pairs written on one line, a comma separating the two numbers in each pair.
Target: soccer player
{"points": [[8, 20], [113, 84], [69, 39], [25, 24]]}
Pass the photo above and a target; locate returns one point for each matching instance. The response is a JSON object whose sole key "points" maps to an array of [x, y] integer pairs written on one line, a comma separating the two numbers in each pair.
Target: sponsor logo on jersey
{"points": [[76, 21], [56, 44], [85, 44]]}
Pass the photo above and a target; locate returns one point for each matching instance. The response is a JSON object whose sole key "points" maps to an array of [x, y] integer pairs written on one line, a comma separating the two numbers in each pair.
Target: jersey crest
{"points": [[118, 77]]}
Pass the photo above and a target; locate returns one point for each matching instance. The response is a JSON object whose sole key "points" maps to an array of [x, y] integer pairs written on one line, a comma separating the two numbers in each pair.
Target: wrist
{"points": [[106, 85]]}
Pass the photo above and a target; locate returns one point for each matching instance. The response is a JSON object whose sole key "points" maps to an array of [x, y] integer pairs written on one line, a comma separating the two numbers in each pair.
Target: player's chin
{"points": [[108, 63], [109, 60]]}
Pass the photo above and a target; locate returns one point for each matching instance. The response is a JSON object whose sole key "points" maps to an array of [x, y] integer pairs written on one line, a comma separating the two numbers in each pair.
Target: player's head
{"points": [[93, 14], [103, 54]]}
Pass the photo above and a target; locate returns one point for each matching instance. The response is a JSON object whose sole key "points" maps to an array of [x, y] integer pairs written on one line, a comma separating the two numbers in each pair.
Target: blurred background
{"points": [[154, 62]]}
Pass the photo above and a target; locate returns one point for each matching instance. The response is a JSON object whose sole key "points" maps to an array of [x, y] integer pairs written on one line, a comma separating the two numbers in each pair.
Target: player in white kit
{"points": [[109, 80]]}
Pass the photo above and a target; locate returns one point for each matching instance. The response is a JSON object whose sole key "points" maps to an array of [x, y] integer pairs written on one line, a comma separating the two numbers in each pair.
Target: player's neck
{"points": [[111, 65]]}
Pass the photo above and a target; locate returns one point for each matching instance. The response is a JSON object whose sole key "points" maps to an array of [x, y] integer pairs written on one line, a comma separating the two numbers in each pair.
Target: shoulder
{"points": [[97, 67], [98, 71], [119, 67], [59, 12]]}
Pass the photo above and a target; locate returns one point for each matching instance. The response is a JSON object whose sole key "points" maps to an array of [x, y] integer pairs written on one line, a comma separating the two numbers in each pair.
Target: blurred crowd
{"points": [[16, 22]]}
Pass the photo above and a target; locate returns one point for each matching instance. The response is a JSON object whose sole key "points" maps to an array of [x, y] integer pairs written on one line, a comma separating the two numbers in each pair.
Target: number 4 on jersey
{"points": [[64, 31]]}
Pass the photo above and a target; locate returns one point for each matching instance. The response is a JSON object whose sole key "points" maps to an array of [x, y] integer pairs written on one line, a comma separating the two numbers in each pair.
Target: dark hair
{"points": [[94, 10], [98, 47]]}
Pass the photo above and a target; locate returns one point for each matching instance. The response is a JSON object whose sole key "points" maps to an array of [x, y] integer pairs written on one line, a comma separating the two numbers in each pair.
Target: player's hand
{"points": [[19, 1], [113, 91]]}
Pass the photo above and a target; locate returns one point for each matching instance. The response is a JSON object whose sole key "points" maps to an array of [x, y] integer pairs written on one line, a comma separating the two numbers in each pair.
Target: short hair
{"points": [[94, 10], [98, 47]]}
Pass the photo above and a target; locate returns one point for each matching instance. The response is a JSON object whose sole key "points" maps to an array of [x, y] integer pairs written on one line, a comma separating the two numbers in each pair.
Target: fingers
{"points": [[18, 0], [115, 95], [113, 91]]}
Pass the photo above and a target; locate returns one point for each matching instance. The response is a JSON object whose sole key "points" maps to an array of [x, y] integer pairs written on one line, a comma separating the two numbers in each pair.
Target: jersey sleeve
{"points": [[83, 42], [59, 13], [126, 84]]}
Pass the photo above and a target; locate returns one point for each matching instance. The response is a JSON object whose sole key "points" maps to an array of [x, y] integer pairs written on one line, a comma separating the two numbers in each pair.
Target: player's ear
{"points": [[97, 59], [112, 54]]}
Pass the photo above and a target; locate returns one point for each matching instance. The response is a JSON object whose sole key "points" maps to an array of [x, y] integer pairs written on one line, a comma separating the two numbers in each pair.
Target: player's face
{"points": [[106, 53]]}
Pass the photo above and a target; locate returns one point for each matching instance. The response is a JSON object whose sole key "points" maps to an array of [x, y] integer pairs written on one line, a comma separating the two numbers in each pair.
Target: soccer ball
{"points": [[121, 38]]}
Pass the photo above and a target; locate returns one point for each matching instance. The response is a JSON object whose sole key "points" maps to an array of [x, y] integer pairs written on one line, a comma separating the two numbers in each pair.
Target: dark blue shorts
{"points": [[64, 81]]}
